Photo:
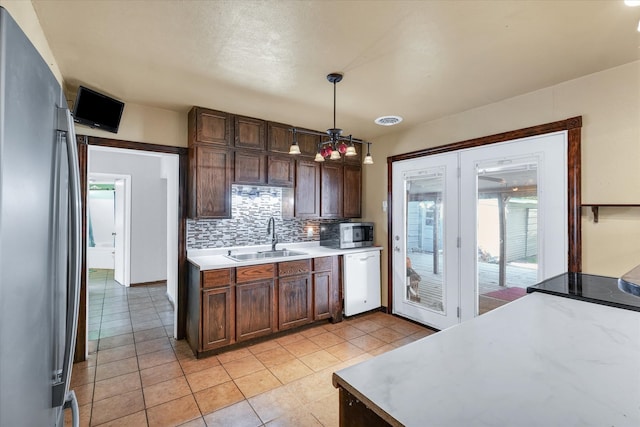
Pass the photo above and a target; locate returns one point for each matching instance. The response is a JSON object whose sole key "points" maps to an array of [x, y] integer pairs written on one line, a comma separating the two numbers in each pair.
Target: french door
{"points": [[425, 231], [473, 228]]}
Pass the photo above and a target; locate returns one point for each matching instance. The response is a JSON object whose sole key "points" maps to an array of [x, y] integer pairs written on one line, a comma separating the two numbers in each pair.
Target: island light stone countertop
{"points": [[211, 259], [541, 360]]}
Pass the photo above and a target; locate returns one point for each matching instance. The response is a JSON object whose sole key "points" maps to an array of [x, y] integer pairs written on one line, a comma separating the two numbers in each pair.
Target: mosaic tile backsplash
{"points": [[251, 208]]}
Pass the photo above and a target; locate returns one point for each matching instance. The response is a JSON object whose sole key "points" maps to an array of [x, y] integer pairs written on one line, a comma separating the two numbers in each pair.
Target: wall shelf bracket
{"points": [[595, 208]]}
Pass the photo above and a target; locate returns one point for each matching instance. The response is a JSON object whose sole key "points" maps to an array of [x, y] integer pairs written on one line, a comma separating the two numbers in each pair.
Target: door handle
{"points": [[60, 388]]}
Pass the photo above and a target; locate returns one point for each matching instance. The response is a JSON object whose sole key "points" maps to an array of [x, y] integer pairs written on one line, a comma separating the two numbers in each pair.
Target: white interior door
{"points": [[425, 231]]}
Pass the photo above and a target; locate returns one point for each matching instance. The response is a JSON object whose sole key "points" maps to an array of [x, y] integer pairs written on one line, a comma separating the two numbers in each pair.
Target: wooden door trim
{"points": [[572, 125], [83, 157]]}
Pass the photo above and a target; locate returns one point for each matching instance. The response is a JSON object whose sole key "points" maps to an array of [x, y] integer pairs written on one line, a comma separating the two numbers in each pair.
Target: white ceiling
{"points": [[418, 59]]}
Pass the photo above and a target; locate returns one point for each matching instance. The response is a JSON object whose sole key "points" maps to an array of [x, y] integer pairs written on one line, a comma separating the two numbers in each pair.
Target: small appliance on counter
{"points": [[347, 235]]}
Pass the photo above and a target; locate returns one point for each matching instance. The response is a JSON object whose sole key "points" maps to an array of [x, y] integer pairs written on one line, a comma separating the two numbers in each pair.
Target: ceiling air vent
{"points": [[388, 120]]}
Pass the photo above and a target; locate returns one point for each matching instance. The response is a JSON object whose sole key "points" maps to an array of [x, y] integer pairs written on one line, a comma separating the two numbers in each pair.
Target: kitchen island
{"points": [[542, 360]]}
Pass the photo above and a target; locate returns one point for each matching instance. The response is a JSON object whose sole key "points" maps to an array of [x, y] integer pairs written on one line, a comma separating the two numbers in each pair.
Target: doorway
{"points": [[146, 214], [472, 228], [109, 225]]}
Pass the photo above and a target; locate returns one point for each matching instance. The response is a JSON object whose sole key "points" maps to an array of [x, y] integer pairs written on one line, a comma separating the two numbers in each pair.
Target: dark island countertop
{"points": [[587, 287], [630, 282]]}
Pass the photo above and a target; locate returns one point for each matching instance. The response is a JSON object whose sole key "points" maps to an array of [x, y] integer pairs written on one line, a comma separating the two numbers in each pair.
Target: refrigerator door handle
{"points": [[61, 392], [72, 402]]}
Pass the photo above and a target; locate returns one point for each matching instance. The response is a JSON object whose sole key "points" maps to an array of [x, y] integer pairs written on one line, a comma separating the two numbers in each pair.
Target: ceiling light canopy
{"points": [[336, 145], [632, 3]]}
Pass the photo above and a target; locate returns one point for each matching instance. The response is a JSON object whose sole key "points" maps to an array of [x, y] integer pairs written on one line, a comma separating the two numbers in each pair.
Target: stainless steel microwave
{"points": [[346, 235]]}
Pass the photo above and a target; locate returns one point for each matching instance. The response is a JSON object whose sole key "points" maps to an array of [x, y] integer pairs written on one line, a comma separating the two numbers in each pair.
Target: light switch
{"points": [[384, 206], [310, 232]]}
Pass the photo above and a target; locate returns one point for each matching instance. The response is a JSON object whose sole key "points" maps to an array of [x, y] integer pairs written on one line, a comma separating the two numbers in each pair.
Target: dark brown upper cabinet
{"points": [[281, 171], [331, 189], [249, 133], [210, 182], [307, 189], [226, 148], [209, 127], [308, 144], [249, 168], [352, 191], [279, 137]]}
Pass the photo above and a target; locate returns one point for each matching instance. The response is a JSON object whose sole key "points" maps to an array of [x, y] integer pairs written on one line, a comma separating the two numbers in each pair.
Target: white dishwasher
{"points": [[361, 281]]}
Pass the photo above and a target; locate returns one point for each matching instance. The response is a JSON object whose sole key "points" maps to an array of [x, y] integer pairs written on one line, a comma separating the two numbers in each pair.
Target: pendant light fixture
{"points": [[336, 145], [368, 160]]}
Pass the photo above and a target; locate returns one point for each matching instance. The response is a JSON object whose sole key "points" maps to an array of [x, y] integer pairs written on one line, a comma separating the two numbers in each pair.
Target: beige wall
{"points": [[609, 103], [145, 124], [23, 13]]}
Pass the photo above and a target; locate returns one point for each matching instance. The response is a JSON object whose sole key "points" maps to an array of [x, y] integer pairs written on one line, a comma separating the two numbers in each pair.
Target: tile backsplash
{"points": [[251, 208]]}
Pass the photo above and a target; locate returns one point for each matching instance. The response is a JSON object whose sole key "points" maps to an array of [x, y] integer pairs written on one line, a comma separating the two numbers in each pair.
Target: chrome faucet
{"points": [[271, 229]]}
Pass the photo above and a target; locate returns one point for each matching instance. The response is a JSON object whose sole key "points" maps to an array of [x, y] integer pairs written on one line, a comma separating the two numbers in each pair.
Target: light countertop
{"points": [[211, 259], [542, 360]]}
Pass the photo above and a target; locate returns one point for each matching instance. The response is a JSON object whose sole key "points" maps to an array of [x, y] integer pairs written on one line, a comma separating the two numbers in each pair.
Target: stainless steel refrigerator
{"points": [[39, 237]]}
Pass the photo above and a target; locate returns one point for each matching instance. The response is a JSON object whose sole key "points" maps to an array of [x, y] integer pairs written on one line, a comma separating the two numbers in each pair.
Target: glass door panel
{"points": [[513, 220], [425, 252], [425, 255], [507, 231]]}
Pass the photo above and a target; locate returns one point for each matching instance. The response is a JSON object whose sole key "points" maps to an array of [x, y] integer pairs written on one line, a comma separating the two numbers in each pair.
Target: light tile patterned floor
{"points": [[137, 375]]}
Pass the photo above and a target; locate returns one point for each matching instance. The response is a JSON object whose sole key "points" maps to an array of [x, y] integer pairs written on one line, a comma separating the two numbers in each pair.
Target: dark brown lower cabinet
{"points": [[294, 294], [255, 311], [217, 317], [321, 294], [354, 413], [232, 305], [294, 301], [325, 284]]}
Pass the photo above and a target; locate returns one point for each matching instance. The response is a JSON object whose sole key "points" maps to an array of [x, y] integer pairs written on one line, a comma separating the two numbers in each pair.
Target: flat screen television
{"points": [[97, 110]]}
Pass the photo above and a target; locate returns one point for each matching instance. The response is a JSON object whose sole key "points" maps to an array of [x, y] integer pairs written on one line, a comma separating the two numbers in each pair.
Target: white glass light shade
{"points": [[335, 155], [319, 158], [294, 149], [368, 160], [351, 151]]}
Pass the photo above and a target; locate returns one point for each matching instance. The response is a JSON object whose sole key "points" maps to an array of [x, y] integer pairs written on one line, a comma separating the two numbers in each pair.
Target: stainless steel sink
{"points": [[283, 253]]}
